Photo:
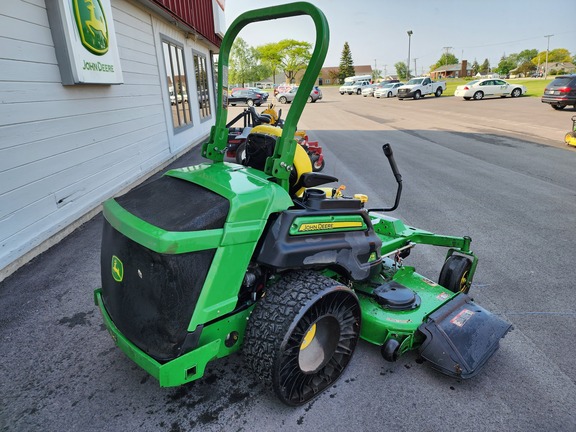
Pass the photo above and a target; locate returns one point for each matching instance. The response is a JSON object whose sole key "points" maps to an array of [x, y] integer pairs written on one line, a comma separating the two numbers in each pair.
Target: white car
{"points": [[479, 89], [388, 90], [369, 91]]}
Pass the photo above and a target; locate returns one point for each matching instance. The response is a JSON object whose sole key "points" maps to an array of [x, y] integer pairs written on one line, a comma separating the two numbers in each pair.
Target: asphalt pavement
{"points": [[483, 169]]}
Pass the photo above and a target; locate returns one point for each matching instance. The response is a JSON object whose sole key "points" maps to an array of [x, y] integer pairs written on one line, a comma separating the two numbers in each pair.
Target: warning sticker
{"points": [[462, 317], [429, 282], [443, 296]]}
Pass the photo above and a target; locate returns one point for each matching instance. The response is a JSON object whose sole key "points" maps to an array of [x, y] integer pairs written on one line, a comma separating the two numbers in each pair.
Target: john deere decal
{"points": [[92, 26], [117, 269]]}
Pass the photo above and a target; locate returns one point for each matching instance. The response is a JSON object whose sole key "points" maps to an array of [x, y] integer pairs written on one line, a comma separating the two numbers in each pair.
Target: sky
{"points": [[377, 30]]}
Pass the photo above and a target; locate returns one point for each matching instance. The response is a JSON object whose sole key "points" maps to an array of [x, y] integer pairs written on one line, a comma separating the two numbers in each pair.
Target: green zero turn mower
{"points": [[221, 257]]}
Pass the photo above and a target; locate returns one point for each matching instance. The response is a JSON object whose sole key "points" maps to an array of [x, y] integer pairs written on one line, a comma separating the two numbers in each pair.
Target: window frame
{"points": [[185, 109]]}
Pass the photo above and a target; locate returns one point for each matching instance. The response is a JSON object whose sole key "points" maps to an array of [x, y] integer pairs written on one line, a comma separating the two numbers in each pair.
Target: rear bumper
{"points": [[555, 100], [186, 368]]}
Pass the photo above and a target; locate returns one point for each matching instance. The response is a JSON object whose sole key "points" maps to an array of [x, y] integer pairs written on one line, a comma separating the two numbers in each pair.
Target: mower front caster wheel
{"points": [[302, 335], [454, 274]]}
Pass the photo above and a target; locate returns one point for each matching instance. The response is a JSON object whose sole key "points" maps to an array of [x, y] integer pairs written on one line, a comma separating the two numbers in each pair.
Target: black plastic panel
{"points": [[153, 304], [461, 336], [347, 252], [176, 205]]}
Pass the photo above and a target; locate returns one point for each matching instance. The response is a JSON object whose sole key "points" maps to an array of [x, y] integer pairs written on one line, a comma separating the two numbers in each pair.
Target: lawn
{"points": [[534, 86]]}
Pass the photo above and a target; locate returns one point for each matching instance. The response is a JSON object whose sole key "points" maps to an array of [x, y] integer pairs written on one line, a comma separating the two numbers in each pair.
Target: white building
{"points": [[66, 147]]}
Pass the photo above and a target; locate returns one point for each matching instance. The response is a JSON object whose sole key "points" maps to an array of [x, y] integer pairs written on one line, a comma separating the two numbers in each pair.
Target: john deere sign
{"points": [[85, 41]]}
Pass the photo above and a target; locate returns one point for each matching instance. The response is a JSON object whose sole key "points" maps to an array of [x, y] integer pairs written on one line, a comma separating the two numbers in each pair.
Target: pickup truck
{"points": [[420, 87], [354, 87]]}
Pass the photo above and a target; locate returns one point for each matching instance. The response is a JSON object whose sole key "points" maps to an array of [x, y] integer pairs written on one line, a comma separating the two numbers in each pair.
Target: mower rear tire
{"points": [[454, 274], [302, 335], [241, 153]]}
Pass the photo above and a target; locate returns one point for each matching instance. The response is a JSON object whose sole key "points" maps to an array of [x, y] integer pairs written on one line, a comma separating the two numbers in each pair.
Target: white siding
{"points": [[64, 149]]}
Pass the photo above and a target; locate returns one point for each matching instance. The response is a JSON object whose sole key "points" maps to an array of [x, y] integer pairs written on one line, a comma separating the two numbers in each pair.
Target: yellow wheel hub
{"points": [[308, 337]]}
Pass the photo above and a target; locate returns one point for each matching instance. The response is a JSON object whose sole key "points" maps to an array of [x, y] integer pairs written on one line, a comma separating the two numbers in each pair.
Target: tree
{"points": [[485, 68], [242, 62], [271, 58], [507, 64], [401, 70], [558, 55], [445, 59], [475, 67], [289, 55], [346, 68], [526, 55], [376, 74], [527, 68]]}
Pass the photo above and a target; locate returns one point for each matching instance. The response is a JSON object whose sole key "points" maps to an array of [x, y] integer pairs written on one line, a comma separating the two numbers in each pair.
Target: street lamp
{"points": [[410, 32]]}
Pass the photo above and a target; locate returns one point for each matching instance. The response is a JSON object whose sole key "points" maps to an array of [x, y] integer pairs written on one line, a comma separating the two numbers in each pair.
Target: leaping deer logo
{"points": [[117, 269], [92, 25]]}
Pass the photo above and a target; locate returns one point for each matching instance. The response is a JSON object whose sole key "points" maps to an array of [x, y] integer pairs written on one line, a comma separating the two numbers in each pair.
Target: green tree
{"points": [[242, 62], [445, 59], [485, 68], [526, 68], [401, 70], [475, 67], [507, 64], [270, 57], [289, 55], [556, 55], [525, 56], [346, 68], [376, 74]]}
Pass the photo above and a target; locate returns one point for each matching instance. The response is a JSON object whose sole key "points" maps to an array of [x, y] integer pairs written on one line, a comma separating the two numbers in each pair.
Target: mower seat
{"points": [[258, 119]]}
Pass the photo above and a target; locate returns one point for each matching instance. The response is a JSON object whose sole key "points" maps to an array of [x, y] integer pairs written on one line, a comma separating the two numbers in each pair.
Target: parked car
{"points": [[354, 86], [561, 92], [283, 88], [388, 90], [479, 89], [287, 97], [369, 90], [247, 96]]}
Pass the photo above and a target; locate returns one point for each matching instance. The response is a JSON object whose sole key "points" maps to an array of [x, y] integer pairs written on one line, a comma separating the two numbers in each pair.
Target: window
{"points": [[177, 84], [202, 85]]}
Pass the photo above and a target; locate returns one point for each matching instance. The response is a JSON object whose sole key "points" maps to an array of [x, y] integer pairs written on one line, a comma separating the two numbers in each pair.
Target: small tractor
{"points": [[223, 257]]}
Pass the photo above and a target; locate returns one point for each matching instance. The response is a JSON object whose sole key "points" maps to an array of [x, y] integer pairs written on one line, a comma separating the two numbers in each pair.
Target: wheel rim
{"points": [[319, 344], [319, 348], [249, 102], [478, 95], [282, 100], [389, 94]]}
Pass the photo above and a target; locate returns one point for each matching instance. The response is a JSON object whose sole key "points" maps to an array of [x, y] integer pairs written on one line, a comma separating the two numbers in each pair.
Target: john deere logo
{"points": [[117, 269], [91, 22]]}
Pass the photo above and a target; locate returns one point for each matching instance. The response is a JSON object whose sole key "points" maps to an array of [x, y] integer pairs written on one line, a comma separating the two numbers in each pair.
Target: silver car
{"points": [[388, 90], [287, 97]]}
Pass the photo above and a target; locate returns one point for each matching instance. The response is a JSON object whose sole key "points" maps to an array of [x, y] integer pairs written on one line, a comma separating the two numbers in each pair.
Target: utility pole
{"points": [[410, 33], [547, 49], [415, 69], [447, 52], [385, 74]]}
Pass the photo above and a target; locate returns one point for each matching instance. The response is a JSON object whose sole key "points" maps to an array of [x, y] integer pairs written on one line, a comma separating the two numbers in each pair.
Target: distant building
{"points": [[452, 71]]}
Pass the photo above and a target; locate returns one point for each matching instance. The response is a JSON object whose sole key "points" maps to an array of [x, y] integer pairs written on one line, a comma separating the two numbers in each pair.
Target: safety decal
{"points": [[463, 316]]}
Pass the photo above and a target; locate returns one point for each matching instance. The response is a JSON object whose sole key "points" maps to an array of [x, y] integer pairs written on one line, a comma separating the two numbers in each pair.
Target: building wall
{"points": [[65, 149]]}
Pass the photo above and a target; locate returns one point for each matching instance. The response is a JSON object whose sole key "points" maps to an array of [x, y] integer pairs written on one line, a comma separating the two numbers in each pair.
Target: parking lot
{"points": [[496, 170]]}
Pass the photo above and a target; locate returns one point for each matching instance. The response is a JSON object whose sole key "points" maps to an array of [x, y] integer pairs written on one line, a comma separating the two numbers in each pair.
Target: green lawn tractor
{"points": [[220, 257]]}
